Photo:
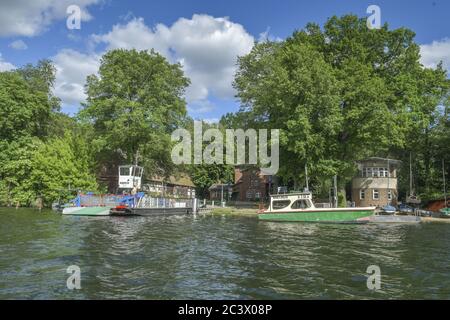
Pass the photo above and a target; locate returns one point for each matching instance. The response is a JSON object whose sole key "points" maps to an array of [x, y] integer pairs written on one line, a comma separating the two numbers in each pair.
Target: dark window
{"points": [[280, 204], [125, 171], [300, 204]]}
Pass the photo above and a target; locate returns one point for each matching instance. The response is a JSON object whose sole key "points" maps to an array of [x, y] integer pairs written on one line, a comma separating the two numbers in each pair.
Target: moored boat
{"points": [[299, 207], [86, 211], [445, 212], [388, 209]]}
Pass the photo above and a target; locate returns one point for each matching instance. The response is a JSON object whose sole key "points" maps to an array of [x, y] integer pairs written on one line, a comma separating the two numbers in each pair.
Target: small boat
{"points": [[388, 209], [90, 204], [86, 211], [128, 212], [445, 212], [299, 207], [148, 206], [405, 209]]}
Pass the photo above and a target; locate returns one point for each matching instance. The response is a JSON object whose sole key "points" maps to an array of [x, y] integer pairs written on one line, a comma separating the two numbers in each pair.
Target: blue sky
{"points": [[204, 35]]}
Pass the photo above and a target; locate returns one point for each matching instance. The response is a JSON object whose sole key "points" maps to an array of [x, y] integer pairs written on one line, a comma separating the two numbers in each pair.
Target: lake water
{"points": [[217, 257]]}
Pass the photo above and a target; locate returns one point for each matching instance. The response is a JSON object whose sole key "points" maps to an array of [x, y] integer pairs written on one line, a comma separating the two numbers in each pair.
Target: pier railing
{"points": [[106, 200], [150, 202]]}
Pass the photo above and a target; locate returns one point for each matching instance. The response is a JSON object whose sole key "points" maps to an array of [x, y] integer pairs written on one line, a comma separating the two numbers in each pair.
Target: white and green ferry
{"points": [[299, 207]]}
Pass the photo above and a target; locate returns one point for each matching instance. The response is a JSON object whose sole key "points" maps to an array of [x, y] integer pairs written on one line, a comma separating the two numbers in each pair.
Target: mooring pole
{"points": [[306, 176], [443, 178], [388, 186], [335, 192]]}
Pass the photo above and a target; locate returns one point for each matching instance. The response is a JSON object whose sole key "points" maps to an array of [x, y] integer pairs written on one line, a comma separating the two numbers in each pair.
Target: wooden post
{"points": [[335, 192], [388, 186], [445, 189], [306, 177]]}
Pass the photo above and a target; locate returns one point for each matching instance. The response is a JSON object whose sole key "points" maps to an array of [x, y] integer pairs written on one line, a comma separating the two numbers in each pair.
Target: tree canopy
{"points": [[43, 152], [340, 94], [134, 104]]}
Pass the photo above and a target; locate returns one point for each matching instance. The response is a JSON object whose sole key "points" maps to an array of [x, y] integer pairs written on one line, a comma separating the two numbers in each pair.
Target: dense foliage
{"points": [[43, 152], [134, 104], [338, 94], [343, 93]]}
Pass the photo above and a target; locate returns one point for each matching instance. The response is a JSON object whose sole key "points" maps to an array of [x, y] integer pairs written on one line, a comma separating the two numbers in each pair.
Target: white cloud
{"points": [[135, 34], [201, 106], [18, 45], [5, 66], [207, 47], [29, 18], [211, 120], [72, 68], [432, 54]]}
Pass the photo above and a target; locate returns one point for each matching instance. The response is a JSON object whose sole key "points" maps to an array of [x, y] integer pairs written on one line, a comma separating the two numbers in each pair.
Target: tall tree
{"points": [[43, 151], [339, 94], [134, 104], [26, 101]]}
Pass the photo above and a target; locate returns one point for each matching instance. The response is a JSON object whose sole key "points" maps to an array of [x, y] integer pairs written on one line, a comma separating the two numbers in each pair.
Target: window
{"points": [[249, 194], [383, 172], [257, 195], [300, 204], [376, 194], [254, 183], [124, 171], [280, 204], [368, 172], [376, 172], [362, 194]]}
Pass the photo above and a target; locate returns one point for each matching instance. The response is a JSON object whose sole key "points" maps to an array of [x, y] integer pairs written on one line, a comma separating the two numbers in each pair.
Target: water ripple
{"points": [[208, 257]]}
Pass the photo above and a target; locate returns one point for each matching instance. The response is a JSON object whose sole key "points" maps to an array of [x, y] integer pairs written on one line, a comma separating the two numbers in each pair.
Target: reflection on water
{"points": [[207, 257]]}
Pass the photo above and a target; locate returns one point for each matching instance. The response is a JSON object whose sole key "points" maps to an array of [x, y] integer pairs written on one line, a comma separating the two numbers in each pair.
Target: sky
{"points": [[205, 36]]}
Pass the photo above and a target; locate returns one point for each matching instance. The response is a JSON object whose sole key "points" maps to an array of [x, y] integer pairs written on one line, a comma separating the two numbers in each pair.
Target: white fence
{"points": [[150, 202]]}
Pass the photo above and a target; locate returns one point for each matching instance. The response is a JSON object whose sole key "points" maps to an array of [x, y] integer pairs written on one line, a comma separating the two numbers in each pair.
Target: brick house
{"points": [[376, 183], [251, 185]]}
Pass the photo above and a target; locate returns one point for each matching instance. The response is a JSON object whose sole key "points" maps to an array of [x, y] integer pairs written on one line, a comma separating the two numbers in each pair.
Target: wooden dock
{"points": [[431, 219]]}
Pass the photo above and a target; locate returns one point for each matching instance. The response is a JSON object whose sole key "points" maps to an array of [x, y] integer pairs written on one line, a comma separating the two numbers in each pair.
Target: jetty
{"points": [[433, 219]]}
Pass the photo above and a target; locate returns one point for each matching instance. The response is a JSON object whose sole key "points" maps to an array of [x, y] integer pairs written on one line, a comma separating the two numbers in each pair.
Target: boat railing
{"points": [[106, 200], [151, 202], [322, 205]]}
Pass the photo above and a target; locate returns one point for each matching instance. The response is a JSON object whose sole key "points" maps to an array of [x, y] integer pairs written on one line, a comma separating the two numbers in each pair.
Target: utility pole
{"points": [[306, 176], [388, 186], [335, 192], [410, 175]]}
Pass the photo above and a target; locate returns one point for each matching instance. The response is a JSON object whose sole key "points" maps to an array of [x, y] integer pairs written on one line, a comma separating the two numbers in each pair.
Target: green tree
{"points": [[26, 101], [31, 169], [134, 104], [15, 170], [58, 164], [339, 94], [205, 175], [43, 150]]}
